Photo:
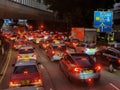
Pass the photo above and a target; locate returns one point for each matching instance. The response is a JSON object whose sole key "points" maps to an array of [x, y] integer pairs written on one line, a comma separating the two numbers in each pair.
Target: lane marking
{"points": [[6, 65], [42, 66], [51, 89], [114, 86]]}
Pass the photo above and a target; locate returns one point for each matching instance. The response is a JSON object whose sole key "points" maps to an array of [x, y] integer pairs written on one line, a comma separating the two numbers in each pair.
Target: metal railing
{"points": [[33, 3]]}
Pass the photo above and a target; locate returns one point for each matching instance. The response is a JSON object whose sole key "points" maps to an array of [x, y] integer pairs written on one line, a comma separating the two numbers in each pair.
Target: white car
{"points": [[26, 53], [37, 39], [90, 50]]}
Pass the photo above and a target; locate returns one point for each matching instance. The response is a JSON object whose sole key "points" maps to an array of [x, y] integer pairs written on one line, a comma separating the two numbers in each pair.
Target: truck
{"points": [[84, 34]]}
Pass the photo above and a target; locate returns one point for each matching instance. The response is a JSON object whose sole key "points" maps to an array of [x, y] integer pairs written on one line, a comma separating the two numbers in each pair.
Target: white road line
{"points": [[114, 86], [42, 66], [6, 65], [51, 89]]}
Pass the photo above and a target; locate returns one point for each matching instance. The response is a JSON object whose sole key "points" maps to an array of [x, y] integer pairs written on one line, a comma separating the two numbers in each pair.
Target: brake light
{"points": [[59, 46], [14, 45], [19, 56], [14, 84], [25, 72], [44, 45], [90, 81], [74, 43], [98, 68], [53, 52], [66, 51], [37, 81], [25, 40], [119, 61], [77, 70]]}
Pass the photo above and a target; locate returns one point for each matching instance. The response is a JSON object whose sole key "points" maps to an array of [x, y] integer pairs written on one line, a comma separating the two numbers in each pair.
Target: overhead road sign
{"points": [[103, 20]]}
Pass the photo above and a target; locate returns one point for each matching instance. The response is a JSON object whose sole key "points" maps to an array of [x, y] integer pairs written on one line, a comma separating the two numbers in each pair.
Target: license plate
{"points": [[91, 49], [88, 71], [26, 57], [60, 55], [25, 82]]}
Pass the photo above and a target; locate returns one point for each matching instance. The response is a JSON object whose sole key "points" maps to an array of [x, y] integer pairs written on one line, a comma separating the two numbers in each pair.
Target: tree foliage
{"points": [[78, 12]]}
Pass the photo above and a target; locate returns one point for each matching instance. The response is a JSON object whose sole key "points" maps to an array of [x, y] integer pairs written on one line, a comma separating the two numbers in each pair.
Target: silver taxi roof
{"points": [[27, 47], [25, 62]]}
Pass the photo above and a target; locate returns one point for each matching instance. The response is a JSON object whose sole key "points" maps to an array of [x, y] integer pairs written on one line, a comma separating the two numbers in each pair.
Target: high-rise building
{"points": [[116, 16]]}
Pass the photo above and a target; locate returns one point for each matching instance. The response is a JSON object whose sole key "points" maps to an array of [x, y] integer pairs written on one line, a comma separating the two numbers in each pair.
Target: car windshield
{"points": [[21, 69], [25, 51], [75, 40]]}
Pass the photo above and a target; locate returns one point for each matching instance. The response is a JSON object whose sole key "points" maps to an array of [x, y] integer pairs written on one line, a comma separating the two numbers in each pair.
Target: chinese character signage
{"points": [[103, 20]]}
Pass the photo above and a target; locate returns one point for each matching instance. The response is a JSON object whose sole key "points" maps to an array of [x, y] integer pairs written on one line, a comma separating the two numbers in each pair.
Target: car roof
{"points": [[73, 55], [26, 47], [113, 49], [25, 62]]}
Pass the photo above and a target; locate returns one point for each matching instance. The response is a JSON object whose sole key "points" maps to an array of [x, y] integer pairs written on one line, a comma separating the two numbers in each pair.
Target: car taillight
{"points": [[25, 72], [37, 82], [77, 70], [14, 84], [98, 68], [14, 46], [44, 45], [74, 43], [90, 81], [119, 61], [19, 56], [66, 51], [25, 39], [59, 46], [34, 55], [53, 52]]}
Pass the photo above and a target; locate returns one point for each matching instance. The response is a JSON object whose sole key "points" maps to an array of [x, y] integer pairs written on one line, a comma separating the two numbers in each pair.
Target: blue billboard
{"points": [[103, 20], [8, 21]]}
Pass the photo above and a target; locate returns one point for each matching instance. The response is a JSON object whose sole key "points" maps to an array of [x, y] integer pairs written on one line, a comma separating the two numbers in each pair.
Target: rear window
{"points": [[59, 47], [91, 46], [84, 61], [25, 51], [21, 69]]}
